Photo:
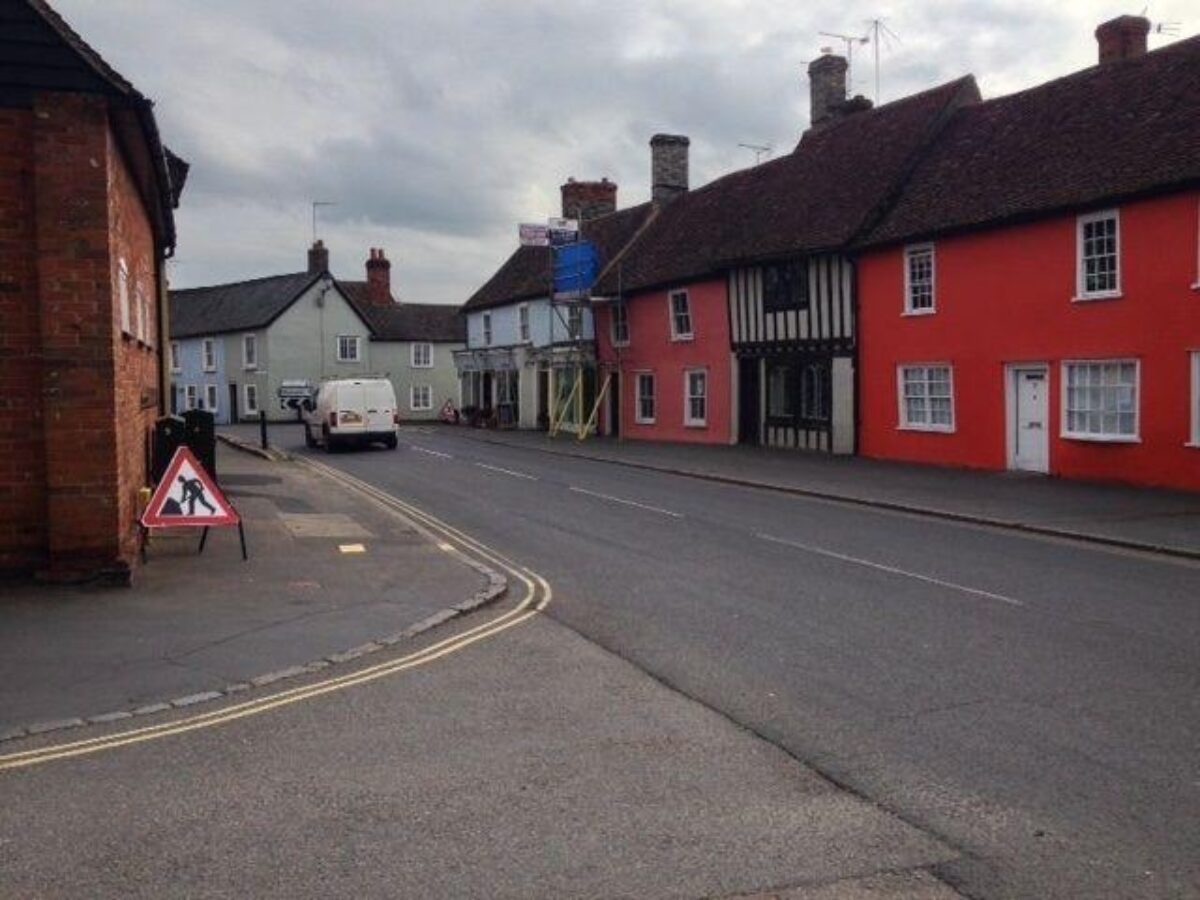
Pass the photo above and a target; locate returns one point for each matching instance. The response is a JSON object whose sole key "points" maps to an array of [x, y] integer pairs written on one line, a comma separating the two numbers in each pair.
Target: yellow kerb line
{"points": [[445, 647]]}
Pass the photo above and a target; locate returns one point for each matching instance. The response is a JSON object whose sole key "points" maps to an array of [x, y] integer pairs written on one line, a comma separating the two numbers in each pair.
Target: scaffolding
{"points": [[575, 399]]}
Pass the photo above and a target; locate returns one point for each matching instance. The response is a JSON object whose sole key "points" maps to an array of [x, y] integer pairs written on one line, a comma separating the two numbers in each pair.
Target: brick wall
{"points": [[22, 457], [78, 391], [137, 356]]}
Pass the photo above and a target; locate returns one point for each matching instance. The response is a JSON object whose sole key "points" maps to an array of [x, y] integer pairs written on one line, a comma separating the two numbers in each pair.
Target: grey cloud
{"points": [[437, 126]]}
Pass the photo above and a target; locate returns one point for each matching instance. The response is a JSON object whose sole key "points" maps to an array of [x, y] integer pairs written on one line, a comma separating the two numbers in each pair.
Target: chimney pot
{"points": [[826, 86], [379, 278], [586, 200], [1122, 38], [318, 258], [668, 166]]}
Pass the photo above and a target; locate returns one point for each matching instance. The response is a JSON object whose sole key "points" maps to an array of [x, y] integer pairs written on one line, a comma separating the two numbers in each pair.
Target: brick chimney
{"points": [[668, 166], [1122, 38], [826, 86], [585, 200], [318, 258], [379, 278]]}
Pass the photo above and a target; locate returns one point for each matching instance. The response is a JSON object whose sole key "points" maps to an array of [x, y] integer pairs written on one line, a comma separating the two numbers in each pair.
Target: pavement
{"points": [[1028, 700], [533, 765], [196, 625], [1133, 517]]}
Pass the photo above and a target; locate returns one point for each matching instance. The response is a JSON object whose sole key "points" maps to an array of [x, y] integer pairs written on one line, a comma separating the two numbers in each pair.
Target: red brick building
{"points": [[1032, 300], [86, 198]]}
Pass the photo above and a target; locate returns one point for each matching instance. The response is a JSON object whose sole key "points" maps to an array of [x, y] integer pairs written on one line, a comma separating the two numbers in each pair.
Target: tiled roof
{"points": [[40, 68], [241, 306], [818, 197], [526, 273], [1122, 129], [435, 322]]}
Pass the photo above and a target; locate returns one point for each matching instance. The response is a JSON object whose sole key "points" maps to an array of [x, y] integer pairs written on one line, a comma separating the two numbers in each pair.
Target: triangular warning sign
{"points": [[187, 496]]}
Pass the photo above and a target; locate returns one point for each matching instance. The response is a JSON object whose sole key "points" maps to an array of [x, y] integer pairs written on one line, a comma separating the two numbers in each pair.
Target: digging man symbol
{"points": [[193, 493]]}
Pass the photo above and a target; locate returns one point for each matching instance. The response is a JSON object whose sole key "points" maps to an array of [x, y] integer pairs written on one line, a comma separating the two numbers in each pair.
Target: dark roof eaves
{"points": [[1024, 216]]}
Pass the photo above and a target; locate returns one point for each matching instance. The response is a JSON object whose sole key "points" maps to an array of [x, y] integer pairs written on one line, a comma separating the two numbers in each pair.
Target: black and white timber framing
{"points": [[792, 326]]}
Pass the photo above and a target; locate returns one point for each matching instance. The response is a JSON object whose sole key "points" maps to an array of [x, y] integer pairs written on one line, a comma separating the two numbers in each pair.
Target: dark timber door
{"points": [[233, 404], [749, 411]]}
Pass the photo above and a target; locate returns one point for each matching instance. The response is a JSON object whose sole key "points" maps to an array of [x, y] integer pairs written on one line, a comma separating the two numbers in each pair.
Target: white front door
{"points": [[1031, 439]]}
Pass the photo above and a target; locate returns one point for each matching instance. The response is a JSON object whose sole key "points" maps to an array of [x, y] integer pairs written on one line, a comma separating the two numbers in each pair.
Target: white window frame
{"points": [[189, 396], [930, 425], [249, 351], [1080, 275], [617, 340], [208, 351], [176, 365], [357, 357], [140, 311], [487, 329], [910, 252], [123, 297], [1195, 357], [689, 420], [414, 359], [523, 331], [638, 418], [249, 407], [676, 335], [1101, 437], [212, 398], [426, 389], [575, 322]]}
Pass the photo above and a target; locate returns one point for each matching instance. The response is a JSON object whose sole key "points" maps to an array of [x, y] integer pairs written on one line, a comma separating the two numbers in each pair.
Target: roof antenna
{"points": [[1167, 28], [315, 204], [878, 31], [849, 41], [759, 151]]}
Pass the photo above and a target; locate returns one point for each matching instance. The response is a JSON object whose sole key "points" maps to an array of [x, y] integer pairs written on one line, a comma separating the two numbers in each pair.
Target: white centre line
{"points": [[431, 452], [820, 551], [507, 471], [655, 509]]}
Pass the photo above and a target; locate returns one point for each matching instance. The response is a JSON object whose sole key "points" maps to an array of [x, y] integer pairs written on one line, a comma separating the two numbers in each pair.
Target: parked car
{"points": [[351, 412]]}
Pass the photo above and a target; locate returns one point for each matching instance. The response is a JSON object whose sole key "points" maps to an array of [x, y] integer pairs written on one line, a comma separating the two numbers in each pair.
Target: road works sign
{"points": [[188, 497]]}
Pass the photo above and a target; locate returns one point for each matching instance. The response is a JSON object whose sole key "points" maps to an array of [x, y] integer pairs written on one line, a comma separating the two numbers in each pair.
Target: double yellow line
{"points": [[537, 596]]}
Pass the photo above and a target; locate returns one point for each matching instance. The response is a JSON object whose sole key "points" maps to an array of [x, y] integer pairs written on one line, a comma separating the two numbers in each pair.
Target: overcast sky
{"points": [[437, 126]]}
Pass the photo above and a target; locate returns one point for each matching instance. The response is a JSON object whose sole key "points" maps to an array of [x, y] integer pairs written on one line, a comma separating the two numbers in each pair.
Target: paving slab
{"points": [[192, 624]]}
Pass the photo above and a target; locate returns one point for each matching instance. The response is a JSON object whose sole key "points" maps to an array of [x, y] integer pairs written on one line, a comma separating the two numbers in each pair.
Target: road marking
{"points": [[537, 597], [609, 497], [507, 471], [821, 551], [431, 452]]}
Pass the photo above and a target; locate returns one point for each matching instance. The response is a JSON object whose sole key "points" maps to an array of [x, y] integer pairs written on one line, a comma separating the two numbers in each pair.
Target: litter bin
{"points": [[200, 435], [169, 436]]}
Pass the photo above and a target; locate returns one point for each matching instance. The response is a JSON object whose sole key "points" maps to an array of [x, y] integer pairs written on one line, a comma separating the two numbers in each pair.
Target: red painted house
{"points": [[86, 198], [1031, 301], [731, 317]]}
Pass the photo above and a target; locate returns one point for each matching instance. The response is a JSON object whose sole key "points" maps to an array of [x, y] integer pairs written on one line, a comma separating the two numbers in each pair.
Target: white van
{"points": [[351, 411]]}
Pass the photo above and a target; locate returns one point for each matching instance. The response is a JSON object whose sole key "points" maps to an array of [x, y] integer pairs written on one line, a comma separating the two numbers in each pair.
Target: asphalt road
{"points": [[1032, 703]]}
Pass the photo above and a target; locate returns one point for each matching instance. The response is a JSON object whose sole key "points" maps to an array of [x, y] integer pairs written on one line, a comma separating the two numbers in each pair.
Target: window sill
{"points": [[645, 421], [1092, 298], [928, 429], [682, 338], [620, 345], [1194, 445], [253, 368], [695, 424], [1196, 286], [917, 313], [1102, 438]]}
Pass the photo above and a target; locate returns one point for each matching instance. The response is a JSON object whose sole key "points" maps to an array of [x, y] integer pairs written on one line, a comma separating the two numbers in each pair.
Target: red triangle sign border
{"points": [[153, 516]]}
